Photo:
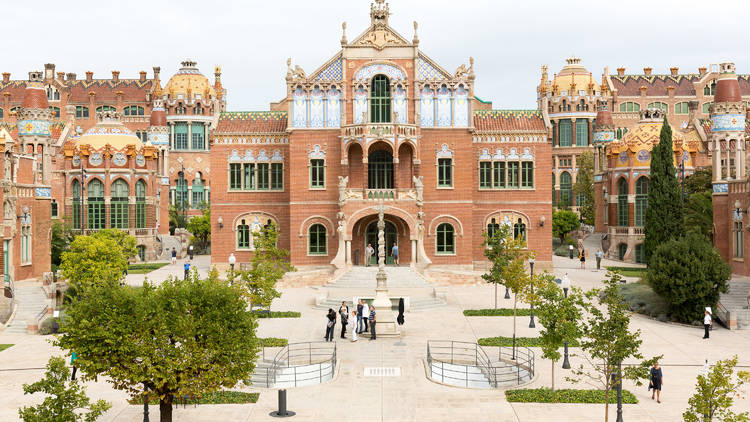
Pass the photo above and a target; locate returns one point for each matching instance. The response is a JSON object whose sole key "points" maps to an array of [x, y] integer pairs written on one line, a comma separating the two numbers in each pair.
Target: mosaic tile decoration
{"points": [[332, 73], [426, 71]]}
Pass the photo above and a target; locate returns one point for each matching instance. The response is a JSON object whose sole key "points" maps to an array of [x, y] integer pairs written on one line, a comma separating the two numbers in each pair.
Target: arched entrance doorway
{"points": [[371, 238], [380, 170], [396, 231]]}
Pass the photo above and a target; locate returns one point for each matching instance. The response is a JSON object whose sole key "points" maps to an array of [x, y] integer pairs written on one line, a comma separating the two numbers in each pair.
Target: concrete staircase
{"points": [[364, 278], [31, 301], [168, 243], [262, 375], [736, 303]]}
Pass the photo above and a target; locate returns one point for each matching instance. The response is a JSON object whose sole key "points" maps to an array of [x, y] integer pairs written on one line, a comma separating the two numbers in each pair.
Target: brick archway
{"points": [[363, 231]]}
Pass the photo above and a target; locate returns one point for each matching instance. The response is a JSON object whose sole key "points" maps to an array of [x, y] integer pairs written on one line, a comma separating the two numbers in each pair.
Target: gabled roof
{"points": [[509, 120], [656, 85], [241, 122], [105, 89]]}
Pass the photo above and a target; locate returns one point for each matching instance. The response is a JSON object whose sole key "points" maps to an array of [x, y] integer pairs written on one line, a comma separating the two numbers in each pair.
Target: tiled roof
{"points": [[252, 122], [509, 120], [56, 129], [105, 89], [630, 85]]}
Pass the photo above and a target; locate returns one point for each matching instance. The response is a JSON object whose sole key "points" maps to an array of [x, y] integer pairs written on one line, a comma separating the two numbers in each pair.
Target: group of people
{"points": [[582, 255], [370, 251], [363, 316]]}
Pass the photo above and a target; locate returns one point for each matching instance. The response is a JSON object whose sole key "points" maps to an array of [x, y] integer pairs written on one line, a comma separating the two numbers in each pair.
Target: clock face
{"points": [[140, 160], [95, 159], [119, 159], [76, 161]]}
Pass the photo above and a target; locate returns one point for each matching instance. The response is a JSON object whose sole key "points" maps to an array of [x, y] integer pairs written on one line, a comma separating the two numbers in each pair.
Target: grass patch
{"points": [[641, 298], [4, 346], [520, 342], [629, 271], [276, 314], [273, 341], [144, 268], [218, 397], [497, 312], [546, 395]]}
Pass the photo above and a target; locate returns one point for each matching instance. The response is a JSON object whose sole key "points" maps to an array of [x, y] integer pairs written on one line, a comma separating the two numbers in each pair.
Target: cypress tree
{"points": [[664, 213]]}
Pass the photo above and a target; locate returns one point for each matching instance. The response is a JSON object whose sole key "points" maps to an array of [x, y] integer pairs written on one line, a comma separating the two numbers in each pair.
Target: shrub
{"points": [[520, 342], [217, 397], [497, 312], [545, 395], [563, 222], [259, 313], [641, 298], [4, 346], [689, 274], [49, 326], [273, 342], [629, 271]]}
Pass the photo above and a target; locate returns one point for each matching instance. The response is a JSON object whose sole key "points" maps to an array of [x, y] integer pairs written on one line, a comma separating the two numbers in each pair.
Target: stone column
{"points": [[386, 323], [413, 252], [190, 136], [717, 160], [573, 140], [591, 134], [348, 252]]}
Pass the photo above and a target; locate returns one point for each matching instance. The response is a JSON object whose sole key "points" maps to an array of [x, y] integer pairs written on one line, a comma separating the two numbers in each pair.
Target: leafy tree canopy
{"points": [[564, 222], [61, 236], [699, 214], [699, 181], [715, 393], [200, 227], [584, 186], [101, 257]]}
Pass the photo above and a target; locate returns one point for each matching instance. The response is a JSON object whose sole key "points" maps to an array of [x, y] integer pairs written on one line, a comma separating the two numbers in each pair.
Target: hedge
{"points": [[218, 397], [144, 268], [520, 342], [497, 312], [273, 341], [545, 395], [629, 271], [276, 314], [4, 346]]}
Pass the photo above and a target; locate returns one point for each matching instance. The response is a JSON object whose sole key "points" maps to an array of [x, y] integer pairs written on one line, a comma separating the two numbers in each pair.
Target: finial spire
{"points": [[379, 13]]}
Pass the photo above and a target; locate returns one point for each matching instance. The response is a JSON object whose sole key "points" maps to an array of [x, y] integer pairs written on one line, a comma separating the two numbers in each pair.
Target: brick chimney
{"points": [[143, 75], [89, 76], [61, 76], [116, 75], [702, 71], [157, 70], [647, 71], [670, 91], [71, 76], [674, 71], [621, 71], [6, 77], [643, 89], [49, 71]]}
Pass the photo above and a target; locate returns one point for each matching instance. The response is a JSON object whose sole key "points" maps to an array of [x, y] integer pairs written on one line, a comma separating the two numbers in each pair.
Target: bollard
{"points": [[282, 412]]}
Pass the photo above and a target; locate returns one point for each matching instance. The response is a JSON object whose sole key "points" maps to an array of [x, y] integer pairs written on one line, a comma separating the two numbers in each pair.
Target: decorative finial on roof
{"points": [[573, 60], [343, 33], [416, 38]]}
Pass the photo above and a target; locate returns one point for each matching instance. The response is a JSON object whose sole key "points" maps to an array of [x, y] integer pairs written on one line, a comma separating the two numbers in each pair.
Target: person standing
{"points": [[365, 314], [372, 323], [570, 249], [656, 381], [394, 253], [583, 259], [344, 312], [232, 261], [706, 322], [187, 269], [190, 252], [330, 324], [174, 256], [355, 317], [599, 256], [73, 358], [369, 251], [358, 329]]}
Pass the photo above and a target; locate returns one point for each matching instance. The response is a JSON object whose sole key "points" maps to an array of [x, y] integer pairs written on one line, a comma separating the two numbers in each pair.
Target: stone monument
{"points": [[386, 321]]}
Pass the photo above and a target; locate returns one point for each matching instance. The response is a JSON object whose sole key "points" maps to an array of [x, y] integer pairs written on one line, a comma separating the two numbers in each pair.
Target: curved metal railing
{"points": [[522, 360], [306, 363]]}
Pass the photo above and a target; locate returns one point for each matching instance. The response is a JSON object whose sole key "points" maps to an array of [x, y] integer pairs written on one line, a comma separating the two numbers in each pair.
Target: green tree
{"points": [[699, 214], [564, 222], [200, 227], [268, 264], [66, 400], [177, 218], [61, 235], [664, 213], [559, 315], [182, 338], [584, 186], [608, 341], [101, 257], [715, 392], [699, 181], [689, 274]]}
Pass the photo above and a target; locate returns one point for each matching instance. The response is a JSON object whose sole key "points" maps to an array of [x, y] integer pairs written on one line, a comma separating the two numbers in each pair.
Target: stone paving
{"points": [[411, 397]]}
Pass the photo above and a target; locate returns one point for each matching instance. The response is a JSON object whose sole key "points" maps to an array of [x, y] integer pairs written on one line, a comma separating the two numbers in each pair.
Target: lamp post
{"points": [[531, 316], [565, 284]]}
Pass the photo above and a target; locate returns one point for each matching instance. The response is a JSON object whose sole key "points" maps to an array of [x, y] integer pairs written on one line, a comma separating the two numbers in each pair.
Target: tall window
{"points": [[132, 111], [277, 176], [640, 255], [519, 230], [445, 241], [317, 174], [629, 107], [659, 105], [681, 108], [622, 249], [498, 173], [140, 205], [118, 206], [76, 204], [248, 176], [527, 174], [554, 192], [53, 209], [82, 112], [566, 189], [1, 113], [317, 240], [198, 110], [243, 235], [26, 244], [513, 174], [197, 191], [582, 132], [180, 136], [485, 174], [235, 176], [492, 227], [380, 170], [709, 89], [706, 108], [622, 202], [380, 100], [739, 241], [105, 108], [641, 200], [445, 172], [198, 142], [263, 176], [180, 192], [565, 134], [95, 196]]}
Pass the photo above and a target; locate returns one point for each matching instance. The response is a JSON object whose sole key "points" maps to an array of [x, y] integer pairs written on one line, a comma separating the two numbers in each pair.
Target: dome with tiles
{"points": [[189, 82], [109, 131], [574, 78]]}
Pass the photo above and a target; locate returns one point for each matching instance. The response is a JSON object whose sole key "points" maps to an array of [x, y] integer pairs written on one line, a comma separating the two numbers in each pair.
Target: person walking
{"points": [[599, 256], [330, 324], [365, 314], [232, 261], [344, 312], [187, 269], [706, 322], [355, 317], [369, 251], [394, 253], [372, 323], [656, 381], [73, 358], [358, 328], [570, 249], [174, 256], [190, 252], [582, 257]]}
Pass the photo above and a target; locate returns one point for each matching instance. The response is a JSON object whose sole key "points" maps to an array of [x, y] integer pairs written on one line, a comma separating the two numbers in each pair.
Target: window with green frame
{"points": [[519, 230], [380, 100], [105, 108], [739, 240], [76, 188], [554, 192], [53, 209], [248, 177], [132, 110], [445, 172], [492, 227], [706, 108], [197, 191], [82, 112], [622, 249], [659, 105], [485, 174], [640, 255], [498, 171], [380, 170], [629, 106], [317, 174], [582, 132], [55, 111], [235, 176], [580, 199], [25, 244], [709, 89], [95, 197], [198, 141], [641, 200], [180, 136], [622, 202], [681, 108], [181, 193], [277, 176], [118, 205], [140, 205], [527, 174], [263, 176], [243, 235], [445, 240], [513, 167], [565, 135], [317, 240], [566, 189]]}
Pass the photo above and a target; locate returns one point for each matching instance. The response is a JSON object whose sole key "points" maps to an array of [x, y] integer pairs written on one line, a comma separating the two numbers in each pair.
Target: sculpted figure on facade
{"points": [[419, 186], [343, 181]]}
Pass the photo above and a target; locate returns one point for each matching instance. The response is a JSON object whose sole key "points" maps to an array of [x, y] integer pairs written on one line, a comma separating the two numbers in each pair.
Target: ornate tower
{"points": [[33, 124]]}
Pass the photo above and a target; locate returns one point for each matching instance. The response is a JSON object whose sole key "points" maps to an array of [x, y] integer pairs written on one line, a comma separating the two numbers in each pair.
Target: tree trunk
{"points": [[606, 404], [165, 409], [553, 375], [515, 301]]}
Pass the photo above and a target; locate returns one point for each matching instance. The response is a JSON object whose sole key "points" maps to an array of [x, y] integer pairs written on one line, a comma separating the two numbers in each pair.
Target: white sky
{"points": [[251, 40]]}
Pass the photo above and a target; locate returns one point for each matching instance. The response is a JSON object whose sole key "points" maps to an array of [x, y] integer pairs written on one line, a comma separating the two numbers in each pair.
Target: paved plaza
{"points": [[351, 396]]}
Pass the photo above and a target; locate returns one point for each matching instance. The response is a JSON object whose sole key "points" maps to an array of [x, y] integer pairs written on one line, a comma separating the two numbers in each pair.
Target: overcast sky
{"points": [[252, 39]]}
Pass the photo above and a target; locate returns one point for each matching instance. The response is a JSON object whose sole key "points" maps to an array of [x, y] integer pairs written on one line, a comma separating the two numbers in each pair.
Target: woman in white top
{"points": [[354, 331], [365, 313]]}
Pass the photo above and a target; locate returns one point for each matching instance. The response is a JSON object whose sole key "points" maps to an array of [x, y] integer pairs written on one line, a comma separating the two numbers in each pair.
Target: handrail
{"points": [[296, 355]]}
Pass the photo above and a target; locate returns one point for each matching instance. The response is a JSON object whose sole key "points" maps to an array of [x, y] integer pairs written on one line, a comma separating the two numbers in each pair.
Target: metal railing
{"points": [[523, 359], [303, 363]]}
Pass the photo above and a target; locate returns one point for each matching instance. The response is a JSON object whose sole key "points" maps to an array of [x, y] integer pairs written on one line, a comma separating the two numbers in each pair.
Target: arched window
{"points": [[622, 202], [118, 205], [659, 106], [82, 112], [53, 209], [316, 243], [76, 190], [566, 137], [132, 110], [55, 111], [519, 230], [95, 196], [105, 108], [53, 94], [706, 108], [445, 241], [681, 108], [180, 109], [243, 235], [380, 170], [629, 107], [566, 189], [380, 100], [641, 200], [198, 110], [582, 132], [709, 89], [492, 227], [197, 190], [140, 205]]}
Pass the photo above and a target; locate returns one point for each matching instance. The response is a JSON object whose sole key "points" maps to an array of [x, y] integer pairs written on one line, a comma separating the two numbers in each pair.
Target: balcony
{"points": [[376, 195], [132, 232], [379, 130]]}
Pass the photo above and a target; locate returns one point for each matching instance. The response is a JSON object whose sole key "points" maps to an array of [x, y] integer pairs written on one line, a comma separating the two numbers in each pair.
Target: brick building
{"points": [[380, 121]]}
